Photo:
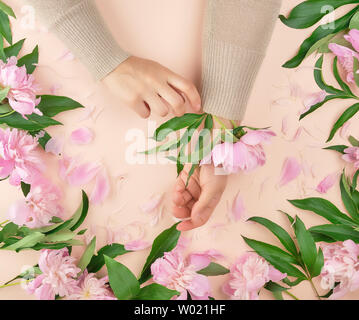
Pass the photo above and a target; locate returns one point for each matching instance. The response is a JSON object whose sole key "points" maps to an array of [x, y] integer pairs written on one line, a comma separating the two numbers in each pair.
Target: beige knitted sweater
{"points": [[237, 33]]}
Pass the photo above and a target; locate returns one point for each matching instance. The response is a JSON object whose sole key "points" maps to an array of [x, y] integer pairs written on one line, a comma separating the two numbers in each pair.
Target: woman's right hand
{"points": [[146, 87]]}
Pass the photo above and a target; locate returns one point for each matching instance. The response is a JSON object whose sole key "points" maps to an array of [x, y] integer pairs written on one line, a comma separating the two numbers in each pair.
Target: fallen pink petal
{"points": [[82, 136], [290, 171]]}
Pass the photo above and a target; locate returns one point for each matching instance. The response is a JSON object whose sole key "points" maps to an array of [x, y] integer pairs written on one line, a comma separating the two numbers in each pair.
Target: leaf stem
{"points": [[4, 222], [7, 114], [223, 126], [11, 284], [314, 288], [291, 295]]}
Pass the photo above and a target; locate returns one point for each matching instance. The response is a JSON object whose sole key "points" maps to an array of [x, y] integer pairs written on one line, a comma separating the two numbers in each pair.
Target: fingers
{"points": [[175, 100], [142, 110], [188, 88], [203, 208], [156, 104]]}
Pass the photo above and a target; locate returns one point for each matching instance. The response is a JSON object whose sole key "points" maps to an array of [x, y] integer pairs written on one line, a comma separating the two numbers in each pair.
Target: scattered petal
{"points": [[102, 188], [290, 171], [152, 204], [327, 183], [238, 209], [137, 245], [55, 146], [82, 136]]}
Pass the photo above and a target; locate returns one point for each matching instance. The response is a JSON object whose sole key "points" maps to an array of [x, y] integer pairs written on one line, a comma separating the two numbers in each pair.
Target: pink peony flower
{"points": [[352, 155], [176, 273], [341, 265], [353, 38], [91, 288], [248, 275], [58, 275], [19, 157], [345, 58], [22, 93], [38, 207], [246, 155]]}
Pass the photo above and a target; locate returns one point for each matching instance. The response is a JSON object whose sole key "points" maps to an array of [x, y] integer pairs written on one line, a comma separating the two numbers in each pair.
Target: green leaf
{"points": [[319, 237], [354, 181], [3, 93], [170, 145], [278, 295], [338, 148], [347, 198], [354, 22], [27, 242], [52, 105], [34, 122], [175, 124], [30, 60], [14, 50], [208, 124], [213, 269], [97, 261], [293, 283], [6, 9], [338, 232], [323, 208], [319, 33], [122, 281], [279, 232], [318, 265], [60, 236], [320, 104], [9, 230], [155, 291], [5, 29], [337, 76], [278, 258], [354, 142], [87, 255], [318, 76], [307, 247], [275, 287], [347, 114], [44, 139], [25, 188], [289, 217], [80, 215], [165, 242], [309, 12], [355, 70]]}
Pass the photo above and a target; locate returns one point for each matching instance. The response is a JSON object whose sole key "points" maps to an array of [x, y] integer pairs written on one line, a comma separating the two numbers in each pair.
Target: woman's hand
{"points": [[146, 87], [199, 199]]}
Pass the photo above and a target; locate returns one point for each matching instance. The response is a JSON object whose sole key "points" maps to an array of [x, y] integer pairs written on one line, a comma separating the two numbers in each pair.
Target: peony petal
{"points": [[290, 171], [327, 183], [137, 245], [102, 188], [83, 174], [238, 209], [54, 146], [152, 203], [82, 136]]}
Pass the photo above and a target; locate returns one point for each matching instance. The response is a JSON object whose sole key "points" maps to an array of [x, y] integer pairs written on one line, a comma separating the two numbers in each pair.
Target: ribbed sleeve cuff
{"points": [[83, 30], [229, 73]]}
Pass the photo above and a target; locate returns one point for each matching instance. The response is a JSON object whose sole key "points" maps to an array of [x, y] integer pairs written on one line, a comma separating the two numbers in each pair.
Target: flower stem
{"points": [[223, 126], [314, 288], [14, 284], [4, 222], [234, 124], [7, 114], [291, 295]]}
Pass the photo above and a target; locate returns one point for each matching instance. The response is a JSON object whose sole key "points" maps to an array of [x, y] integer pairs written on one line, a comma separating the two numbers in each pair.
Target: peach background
{"points": [[170, 32]]}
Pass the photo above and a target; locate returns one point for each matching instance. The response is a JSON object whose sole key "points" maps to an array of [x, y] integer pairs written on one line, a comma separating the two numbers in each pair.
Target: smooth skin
{"points": [[148, 87], [196, 203]]}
